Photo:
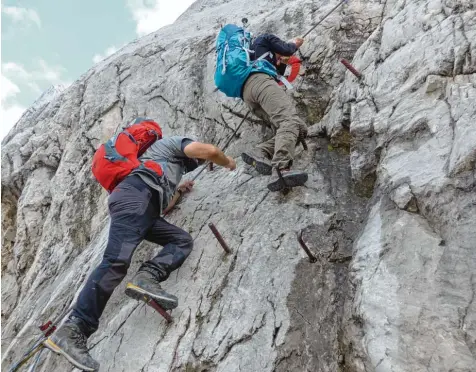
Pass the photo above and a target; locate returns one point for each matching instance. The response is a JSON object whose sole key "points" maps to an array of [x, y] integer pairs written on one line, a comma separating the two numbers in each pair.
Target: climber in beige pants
{"points": [[267, 99]]}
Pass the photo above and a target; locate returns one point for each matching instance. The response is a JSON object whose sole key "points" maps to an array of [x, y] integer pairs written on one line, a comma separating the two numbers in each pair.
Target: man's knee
{"points": [[186, 242], [116, 264], [289, 127], [113, 272], [283, 117]]}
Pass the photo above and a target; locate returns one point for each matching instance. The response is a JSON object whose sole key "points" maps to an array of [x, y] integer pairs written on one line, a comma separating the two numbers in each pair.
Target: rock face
{"points": [[389, 209], [47, 96]]}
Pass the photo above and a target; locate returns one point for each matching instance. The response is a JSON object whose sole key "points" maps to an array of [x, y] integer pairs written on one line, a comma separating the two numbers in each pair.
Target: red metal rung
{"points": [[351, 68], [219, 238], [160, 310]]}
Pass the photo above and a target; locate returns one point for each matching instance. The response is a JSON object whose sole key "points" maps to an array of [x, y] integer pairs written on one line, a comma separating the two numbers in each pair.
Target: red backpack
{"points": [[116, 158]]}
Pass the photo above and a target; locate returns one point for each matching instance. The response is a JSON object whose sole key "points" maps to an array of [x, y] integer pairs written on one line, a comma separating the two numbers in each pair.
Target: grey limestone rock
{"points": [[389, 208]]}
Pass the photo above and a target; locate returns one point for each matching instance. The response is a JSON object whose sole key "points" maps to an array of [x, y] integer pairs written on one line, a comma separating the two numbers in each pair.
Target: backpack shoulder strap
{"points": [[267, 54]]}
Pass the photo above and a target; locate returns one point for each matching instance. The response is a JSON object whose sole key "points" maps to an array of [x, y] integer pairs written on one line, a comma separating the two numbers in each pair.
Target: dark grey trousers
{"points": [[135, 216]]}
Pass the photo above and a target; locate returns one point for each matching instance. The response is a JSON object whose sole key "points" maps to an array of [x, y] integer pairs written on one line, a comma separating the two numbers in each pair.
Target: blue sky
{"points": [[53, 42]]}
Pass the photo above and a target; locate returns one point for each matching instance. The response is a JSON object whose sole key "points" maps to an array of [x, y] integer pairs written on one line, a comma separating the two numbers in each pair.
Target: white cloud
{"points": [[18, 72], [10, 116], [22, 15], [150, 15], [109, 51], [16, 69], [9, 89], [34, 87], [10, 111], [51, 74], [13, 77]]}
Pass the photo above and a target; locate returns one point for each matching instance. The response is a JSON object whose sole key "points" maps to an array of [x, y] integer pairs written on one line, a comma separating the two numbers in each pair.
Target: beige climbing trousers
{"points": [[265, 97]]}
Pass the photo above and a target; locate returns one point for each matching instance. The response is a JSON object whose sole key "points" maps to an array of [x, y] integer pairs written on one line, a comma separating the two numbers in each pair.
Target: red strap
{"points": [[50, 331], [152, 165], [45, 326], [295, 67], [295, 64]]}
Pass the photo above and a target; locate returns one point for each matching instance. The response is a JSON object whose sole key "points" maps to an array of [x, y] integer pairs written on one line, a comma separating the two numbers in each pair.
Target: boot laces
{"points": [[156, 281], [79, 339], [153, 278]]}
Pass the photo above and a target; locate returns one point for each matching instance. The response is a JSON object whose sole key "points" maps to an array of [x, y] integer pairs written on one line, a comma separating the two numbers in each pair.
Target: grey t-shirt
{"points": [[168, 152]]}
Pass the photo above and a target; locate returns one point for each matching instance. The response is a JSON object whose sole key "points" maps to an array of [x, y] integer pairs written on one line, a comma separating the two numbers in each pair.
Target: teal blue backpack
{"points": [[234, 62]]}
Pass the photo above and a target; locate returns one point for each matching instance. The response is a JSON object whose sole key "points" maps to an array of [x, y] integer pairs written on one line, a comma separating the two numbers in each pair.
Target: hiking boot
{"points": [[257, 160], [70, 341], [291, 179], [145, 286]]}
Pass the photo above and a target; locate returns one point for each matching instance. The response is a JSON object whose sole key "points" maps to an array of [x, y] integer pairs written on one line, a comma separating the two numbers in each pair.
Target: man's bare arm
{"points": [[209, 152], [198, 150]]}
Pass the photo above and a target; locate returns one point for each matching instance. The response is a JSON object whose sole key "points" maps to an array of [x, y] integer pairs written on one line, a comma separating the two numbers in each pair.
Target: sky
{"points": [[53, 42]]}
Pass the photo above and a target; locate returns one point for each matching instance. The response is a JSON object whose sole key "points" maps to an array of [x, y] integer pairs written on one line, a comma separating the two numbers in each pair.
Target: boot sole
{"points": [[260, 166], [56, 349], [291, 181], [139, 294]]}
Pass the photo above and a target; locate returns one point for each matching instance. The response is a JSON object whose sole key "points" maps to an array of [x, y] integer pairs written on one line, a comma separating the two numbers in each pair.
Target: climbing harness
{"points": [[48, 328]]}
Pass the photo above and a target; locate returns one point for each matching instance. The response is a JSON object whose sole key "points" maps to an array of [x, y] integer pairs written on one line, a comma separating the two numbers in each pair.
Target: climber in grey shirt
{"points": [[169, 153], [135, 207]]}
